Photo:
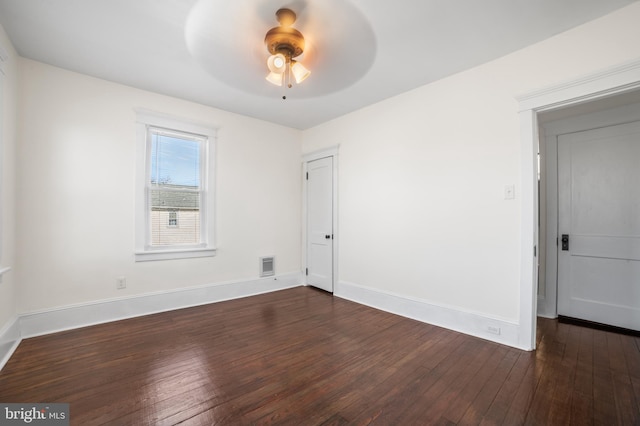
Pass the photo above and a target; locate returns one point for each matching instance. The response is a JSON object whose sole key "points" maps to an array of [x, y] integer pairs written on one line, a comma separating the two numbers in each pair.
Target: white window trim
{"points": [[143, 252], [4, 58]]}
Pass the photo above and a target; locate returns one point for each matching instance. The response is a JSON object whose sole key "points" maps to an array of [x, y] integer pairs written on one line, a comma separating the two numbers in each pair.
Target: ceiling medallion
{"points": [[285, 43]]}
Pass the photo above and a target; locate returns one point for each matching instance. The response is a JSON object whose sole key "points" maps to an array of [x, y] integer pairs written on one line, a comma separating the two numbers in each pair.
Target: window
{"points": [[173, 219], [174, 181], [174, 186]]}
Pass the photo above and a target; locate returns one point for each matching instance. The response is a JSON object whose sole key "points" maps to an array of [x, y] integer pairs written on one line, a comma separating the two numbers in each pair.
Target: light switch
{"points": [[509, 192]]}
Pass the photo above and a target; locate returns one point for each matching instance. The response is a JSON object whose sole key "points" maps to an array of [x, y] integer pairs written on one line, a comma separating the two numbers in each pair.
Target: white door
{"points": [[320, 223], [599, 219]]}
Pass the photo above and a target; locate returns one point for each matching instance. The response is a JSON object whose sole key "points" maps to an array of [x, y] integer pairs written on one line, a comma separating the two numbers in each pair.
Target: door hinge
{"points": [[556, 241], [535, 251], [306, 272], [307, 175]]}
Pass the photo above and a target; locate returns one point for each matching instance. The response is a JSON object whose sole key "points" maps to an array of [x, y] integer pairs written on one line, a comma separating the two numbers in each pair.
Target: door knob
{"points": [[327, 236]]}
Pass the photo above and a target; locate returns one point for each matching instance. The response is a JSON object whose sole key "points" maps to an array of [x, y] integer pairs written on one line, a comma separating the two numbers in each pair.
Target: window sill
{"points": [[170, 254]]}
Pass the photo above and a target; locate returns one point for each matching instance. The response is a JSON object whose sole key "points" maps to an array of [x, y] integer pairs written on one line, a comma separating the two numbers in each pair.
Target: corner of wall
{"points": [[10, 338], [474, 324]]}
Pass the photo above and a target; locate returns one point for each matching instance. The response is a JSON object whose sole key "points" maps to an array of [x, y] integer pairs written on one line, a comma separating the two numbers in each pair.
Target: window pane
{"points": [[175, 161], [166, 206], [175, 190]]}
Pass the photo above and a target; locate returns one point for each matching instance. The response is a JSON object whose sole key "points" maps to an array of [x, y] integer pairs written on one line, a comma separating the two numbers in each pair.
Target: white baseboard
{"points": [[454, 319], [69, 317], [9, 340]]}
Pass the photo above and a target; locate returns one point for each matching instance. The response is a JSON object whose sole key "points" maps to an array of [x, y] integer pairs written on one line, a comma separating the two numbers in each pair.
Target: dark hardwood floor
{"points": [[303, 357]]}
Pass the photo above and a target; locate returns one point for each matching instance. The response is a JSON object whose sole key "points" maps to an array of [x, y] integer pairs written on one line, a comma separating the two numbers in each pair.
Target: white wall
{"points": [[8, 287], [422, 175], [75, 194]]}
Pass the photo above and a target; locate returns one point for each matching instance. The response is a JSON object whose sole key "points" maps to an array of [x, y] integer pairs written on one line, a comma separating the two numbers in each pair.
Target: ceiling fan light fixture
{"points": [[285, 43], [277, 63], [275, 78], [300, 73]]}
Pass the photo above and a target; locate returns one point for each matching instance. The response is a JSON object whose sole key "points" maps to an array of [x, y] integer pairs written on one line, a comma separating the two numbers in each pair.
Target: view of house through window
{"points": [[175, 179]]}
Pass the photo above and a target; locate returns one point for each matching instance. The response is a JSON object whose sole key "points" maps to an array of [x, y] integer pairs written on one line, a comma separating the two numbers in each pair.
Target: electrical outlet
{"points": [[121, 282], [493, 330]]}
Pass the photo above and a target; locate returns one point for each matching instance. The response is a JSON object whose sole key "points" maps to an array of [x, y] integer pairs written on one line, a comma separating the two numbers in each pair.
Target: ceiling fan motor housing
{"points": [[285, 39]]}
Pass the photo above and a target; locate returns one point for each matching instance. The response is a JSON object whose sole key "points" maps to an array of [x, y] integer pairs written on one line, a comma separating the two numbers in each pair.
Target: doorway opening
{"points": [[614, 81], [586, 257]]}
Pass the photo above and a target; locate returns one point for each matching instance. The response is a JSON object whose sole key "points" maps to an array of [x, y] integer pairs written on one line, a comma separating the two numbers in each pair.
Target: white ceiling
{"points": [[212, 51]]}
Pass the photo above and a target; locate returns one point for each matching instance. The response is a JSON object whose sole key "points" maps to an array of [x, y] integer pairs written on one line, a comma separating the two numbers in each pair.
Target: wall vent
{"points": [[267, 266]]}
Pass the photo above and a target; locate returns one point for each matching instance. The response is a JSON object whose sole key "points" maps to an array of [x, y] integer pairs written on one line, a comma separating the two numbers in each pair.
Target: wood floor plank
{"points": [[632, 354], [563, 372], [626, 403], [604, 405], [582, 403], [521, 374], [358, 378], [389, 386], [304, 357], [430, 384], [477, 381], [522, 410], [480, 405], [453, 388]]}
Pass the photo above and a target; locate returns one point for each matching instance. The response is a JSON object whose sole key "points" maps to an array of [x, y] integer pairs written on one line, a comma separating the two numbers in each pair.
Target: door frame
{"points": [[306, 158], [548, 302], [615, 80]]}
